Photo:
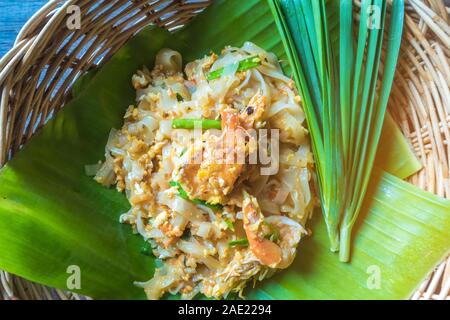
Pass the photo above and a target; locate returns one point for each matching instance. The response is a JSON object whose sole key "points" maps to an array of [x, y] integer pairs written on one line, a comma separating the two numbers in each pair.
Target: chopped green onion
{"points": [[180, 97], [184, 195], [215, 207], [192, 123], [275, 235], [181, 191], [274, 232], [245, 64], [240, 242], [183, 152], [230, 224]]}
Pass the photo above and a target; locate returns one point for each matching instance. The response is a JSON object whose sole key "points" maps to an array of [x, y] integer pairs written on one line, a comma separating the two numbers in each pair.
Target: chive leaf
{"points": [[245, 64], [239, 242], [192, 123], [230, 224], [182, 193]]}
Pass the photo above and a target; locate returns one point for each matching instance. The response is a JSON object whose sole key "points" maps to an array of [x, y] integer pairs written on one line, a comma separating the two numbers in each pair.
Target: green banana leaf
{"points": [[52, 216], [395, 154]]}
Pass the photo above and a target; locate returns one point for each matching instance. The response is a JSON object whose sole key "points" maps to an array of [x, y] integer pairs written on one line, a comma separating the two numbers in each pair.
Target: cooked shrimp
{"points": [[214, 177], [265, 250], [275, 255], [290, 234]]}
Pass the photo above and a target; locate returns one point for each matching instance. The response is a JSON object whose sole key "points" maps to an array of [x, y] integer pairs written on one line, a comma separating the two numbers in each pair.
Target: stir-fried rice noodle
{"points": [[211, 240]]}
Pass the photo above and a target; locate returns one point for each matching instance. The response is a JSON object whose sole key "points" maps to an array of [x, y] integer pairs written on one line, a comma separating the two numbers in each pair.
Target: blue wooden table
{"points": [[13, 15]]}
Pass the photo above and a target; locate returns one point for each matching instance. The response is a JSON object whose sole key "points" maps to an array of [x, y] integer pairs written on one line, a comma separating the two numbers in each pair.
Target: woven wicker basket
{"points": [[37, 74]]}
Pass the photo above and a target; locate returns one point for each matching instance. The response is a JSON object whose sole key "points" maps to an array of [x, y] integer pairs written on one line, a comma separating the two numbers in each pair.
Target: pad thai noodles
{"points": [[214, 219]]}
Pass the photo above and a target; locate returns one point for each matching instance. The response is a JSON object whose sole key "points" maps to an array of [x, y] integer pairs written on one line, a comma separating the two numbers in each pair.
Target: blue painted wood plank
{"points": [[13, 15]]}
